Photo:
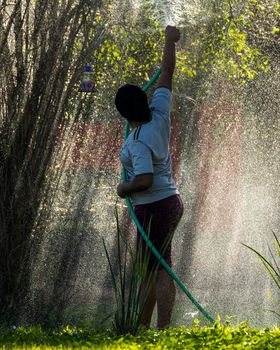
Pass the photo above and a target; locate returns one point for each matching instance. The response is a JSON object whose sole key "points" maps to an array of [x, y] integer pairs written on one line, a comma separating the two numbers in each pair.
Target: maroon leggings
{"points": [[163, 216]]}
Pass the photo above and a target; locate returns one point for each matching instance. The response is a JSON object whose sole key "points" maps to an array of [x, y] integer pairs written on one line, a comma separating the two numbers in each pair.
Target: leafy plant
{"points": [[223, 39], [129, 305], [40, 62], [131, 289], [272, 267]]}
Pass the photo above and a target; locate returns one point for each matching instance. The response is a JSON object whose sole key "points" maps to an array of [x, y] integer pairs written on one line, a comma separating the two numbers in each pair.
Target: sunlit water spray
{"points": [[173, 12], [226, 157]]}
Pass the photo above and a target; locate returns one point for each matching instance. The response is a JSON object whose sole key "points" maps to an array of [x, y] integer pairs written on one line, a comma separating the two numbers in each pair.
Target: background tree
{"points": [[43, 47]]}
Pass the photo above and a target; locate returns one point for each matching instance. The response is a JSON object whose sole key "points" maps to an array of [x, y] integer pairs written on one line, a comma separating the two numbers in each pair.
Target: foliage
{"points": [[40, 61], [219, 336], [229, 42], [220, 38], [131, 287], [130, 52], [272, 267]]}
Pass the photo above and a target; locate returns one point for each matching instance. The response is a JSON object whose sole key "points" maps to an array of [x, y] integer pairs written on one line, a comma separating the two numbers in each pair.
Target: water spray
{"points": [[145, 237]]}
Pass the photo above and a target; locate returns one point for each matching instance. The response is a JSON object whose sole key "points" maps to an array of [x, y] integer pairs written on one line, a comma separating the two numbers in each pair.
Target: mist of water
{"points": [[226, 154]]}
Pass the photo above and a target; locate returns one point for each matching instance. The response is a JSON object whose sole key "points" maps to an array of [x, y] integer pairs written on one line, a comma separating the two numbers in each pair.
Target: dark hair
{"points": [[132, 103]]}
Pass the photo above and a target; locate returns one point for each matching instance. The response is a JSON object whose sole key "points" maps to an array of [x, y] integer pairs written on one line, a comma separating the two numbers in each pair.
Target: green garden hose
{"points": [[145, 237]]}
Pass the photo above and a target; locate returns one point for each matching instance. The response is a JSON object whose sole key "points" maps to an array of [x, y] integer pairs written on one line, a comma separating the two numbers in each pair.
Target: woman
{"points": [[150, 185]]}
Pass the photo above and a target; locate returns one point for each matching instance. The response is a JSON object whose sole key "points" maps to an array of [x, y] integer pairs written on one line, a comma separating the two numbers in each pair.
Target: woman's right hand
{"points": [[172, 34]]}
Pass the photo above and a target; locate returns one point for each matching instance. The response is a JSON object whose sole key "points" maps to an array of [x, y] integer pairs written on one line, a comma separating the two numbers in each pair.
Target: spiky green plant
{"points": [[272, 267], [131, 283], [128, 287]]}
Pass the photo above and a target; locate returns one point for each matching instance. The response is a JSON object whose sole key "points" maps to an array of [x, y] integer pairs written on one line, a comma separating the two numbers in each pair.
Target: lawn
{"points": [[86, 337]]}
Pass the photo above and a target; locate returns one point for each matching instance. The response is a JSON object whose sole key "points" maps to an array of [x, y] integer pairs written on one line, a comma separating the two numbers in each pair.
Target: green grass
{"points": [[219, 336]]}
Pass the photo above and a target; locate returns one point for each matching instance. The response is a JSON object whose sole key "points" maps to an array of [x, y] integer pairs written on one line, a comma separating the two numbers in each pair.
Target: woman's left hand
{"points": [[120, 190]]}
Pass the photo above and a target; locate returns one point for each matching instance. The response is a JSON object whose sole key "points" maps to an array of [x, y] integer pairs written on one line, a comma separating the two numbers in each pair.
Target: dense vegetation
{"points": [[217, 337]]}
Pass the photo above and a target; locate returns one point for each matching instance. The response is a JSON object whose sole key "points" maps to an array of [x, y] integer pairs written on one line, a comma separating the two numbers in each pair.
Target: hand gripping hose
{"points": [[145, 237]]}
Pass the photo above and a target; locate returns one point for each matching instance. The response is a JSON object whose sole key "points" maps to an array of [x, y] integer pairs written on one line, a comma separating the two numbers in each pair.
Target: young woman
{"points": [[150, 185]]}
